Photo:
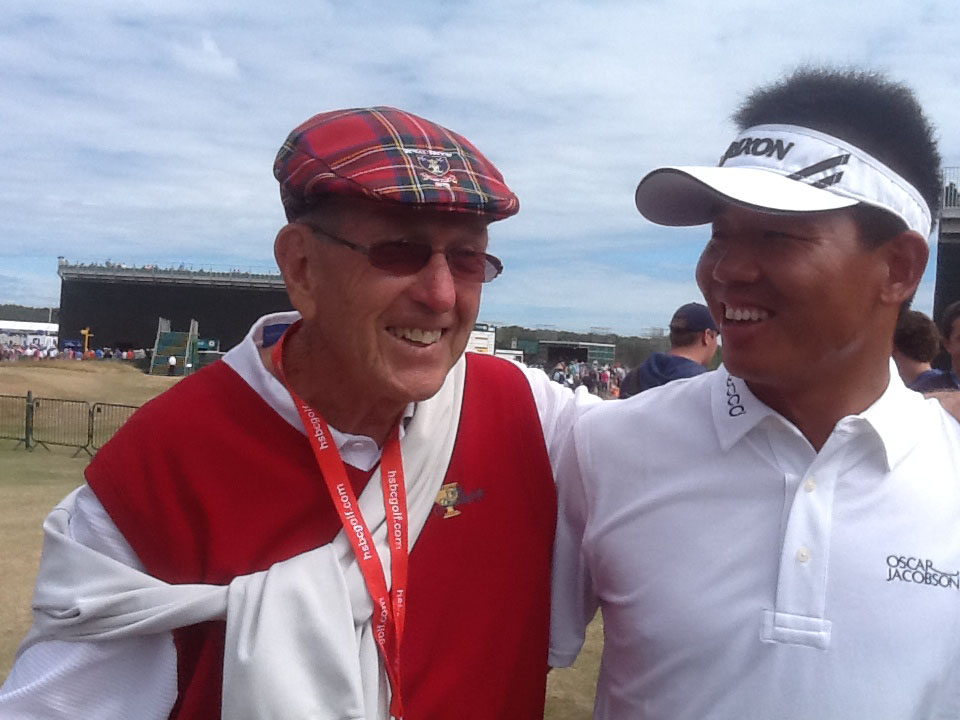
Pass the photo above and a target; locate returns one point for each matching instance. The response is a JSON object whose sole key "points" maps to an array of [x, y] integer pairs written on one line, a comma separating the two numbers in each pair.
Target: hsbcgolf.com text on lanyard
{"points": [[389, 605]]}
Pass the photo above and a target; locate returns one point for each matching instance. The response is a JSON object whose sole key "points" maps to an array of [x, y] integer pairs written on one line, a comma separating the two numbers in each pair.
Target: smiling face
{"points": [[798, 298], [387, 340]]}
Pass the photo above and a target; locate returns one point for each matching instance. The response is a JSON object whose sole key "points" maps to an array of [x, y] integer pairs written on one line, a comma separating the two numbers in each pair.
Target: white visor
{"points": [[781, 169]]}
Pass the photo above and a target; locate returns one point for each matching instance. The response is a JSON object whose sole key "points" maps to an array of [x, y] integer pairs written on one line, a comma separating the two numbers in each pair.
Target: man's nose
{"points": [[435, 285], [734, 262]]}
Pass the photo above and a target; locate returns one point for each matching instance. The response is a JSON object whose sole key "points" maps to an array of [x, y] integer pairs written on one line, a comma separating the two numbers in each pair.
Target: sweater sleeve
{"points": [[114, 680]]}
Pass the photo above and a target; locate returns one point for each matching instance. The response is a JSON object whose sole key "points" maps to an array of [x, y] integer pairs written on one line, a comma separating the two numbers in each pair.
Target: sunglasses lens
{"points": [[401, 258], [492, 267], [469, 265]]}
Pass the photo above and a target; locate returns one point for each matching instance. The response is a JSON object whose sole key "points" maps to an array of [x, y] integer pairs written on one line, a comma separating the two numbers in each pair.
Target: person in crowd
{"points": [[590, 377], [916, 342], [604, 379], [950, 329], [324, 523], [559, 374], [780, 538], [693, 344]]}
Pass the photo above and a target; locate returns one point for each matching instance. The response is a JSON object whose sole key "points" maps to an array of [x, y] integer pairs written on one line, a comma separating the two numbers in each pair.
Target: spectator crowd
{"points": [[602, 380], [11, 351]]}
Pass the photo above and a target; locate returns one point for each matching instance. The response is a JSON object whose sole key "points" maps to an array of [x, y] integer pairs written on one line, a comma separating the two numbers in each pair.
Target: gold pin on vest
{"points": [[447, 499]]}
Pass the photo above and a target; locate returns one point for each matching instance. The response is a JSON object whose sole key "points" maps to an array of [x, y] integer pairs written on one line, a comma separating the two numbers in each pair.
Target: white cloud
{"points": [[147, 131], [206, 59]]}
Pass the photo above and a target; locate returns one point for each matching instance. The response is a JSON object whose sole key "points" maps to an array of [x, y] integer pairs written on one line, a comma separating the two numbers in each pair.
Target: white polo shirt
{"points": [[741, 574]]}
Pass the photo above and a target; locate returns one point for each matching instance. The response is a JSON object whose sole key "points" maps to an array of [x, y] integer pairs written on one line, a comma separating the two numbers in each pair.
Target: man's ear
{"points": [[293, 250], [906, 256]]}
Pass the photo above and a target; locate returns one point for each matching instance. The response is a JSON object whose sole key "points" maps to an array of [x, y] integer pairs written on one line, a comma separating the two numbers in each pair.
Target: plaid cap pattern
{"points": [[390, 155]]}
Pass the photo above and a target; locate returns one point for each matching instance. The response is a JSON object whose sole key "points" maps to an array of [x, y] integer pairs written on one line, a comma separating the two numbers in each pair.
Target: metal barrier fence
{"points": [[51, 421], [105, 420], [13, 417], [61, 422]]}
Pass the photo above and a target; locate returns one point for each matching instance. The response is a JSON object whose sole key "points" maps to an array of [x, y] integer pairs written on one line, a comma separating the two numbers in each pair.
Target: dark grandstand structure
{"points": [[122, 305], [948, 244]]}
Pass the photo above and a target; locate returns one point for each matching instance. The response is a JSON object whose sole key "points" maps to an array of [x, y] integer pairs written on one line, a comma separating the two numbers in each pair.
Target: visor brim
{"points": [[681, 196]]}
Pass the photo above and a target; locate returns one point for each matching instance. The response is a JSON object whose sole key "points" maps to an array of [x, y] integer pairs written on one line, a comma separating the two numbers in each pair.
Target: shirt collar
{"points": [[736, 411], [888, 417], [357, 450]]}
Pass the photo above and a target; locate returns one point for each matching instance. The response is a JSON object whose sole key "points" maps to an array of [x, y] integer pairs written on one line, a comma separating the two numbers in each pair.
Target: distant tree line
{"points": [[21, 313], [631, 350]]}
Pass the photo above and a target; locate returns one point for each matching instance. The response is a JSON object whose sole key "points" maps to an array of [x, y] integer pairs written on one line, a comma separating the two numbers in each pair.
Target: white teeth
{"points": [[753, 314], [417, 335]]}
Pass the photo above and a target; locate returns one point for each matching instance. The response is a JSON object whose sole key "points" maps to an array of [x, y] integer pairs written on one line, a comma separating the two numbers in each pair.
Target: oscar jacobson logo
{"points": [[920, 571]]}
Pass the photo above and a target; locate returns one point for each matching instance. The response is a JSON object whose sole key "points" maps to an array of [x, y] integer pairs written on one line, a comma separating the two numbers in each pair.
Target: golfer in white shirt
{"points": [[780, 538]]}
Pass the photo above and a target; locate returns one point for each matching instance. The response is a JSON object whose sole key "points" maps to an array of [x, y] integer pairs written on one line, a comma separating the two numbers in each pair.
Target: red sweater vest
{"points": [[207, 482]]}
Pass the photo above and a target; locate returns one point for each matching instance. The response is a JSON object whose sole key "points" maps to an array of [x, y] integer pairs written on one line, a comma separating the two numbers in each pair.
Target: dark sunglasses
{"points": [[399, 257]]}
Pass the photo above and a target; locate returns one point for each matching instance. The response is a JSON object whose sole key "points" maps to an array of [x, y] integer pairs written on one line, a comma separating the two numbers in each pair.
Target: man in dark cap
{"points": [[767, 539], [693, 344], [370, 511], [916, 342], [950, 332]]}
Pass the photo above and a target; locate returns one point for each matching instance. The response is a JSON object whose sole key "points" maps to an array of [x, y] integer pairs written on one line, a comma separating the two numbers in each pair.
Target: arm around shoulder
{"points": [[573, 600], [114, 680], [559, 408]]}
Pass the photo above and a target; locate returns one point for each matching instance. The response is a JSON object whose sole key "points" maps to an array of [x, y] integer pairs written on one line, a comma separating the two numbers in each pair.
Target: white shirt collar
{"points": [[737, 411], [359, 451]]}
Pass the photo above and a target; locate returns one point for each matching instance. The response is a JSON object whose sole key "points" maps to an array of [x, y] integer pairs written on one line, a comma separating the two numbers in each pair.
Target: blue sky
{"points": [[144, 132]]}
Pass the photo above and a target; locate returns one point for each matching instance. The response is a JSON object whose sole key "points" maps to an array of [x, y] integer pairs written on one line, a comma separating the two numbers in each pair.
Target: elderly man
{"points": [[785, 542], [369, 510]]}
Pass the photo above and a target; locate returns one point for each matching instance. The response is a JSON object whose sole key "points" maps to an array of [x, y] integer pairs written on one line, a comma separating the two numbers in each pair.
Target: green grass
{"points": [[31, 483]]}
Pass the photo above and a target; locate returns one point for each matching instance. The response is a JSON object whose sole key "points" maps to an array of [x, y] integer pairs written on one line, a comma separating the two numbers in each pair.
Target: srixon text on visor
{"points": [[765, 147]]}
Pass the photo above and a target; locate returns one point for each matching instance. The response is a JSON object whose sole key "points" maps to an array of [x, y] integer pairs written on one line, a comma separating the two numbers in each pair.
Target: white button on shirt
{"points": [[743, 574]]}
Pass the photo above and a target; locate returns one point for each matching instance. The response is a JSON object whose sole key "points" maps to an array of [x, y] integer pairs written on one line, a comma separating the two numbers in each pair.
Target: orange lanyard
{"points": [[389, 606]]}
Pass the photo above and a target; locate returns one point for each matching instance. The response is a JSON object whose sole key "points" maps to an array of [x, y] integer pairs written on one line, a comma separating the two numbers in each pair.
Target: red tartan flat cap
{"points": [[387, 154]]}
